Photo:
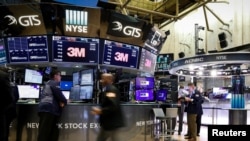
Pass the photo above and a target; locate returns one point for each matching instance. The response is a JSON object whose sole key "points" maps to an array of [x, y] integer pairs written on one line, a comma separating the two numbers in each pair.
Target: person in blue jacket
{"points": [[50, 108], [193, 108]]}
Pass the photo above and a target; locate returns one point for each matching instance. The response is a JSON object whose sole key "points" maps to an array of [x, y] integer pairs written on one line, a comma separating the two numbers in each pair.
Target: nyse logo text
{"points": [[122, 57], [76, 52]]}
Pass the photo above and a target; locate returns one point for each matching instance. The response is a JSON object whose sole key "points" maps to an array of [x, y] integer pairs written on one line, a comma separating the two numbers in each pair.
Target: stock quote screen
{"points": [[2, 52], [75, 49], [120, 54], [28, 49], [147, 61]]}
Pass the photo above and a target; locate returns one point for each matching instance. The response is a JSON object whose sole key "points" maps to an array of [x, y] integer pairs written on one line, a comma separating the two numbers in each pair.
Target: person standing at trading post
{"points": [[193, 106], [110, 112], [50, 108], [5, 102], [182, 93]]}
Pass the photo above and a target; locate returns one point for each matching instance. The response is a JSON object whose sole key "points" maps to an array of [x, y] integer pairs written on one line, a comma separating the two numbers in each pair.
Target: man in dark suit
{"points": [[110, 112], [193, 108], [5, 102]]}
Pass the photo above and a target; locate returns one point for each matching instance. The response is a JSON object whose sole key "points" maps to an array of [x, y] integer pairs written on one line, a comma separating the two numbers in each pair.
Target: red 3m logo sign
{"points": [[122, 57], [148, 63], [76, 52]]}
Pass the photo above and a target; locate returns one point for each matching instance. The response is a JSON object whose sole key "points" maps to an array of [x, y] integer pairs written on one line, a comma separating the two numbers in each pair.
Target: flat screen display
{"points": [[144, 82], [75, 93], [155, 40], [220, 92], [33, 76], [75, 49], [28, 91], [87, 77], [147, 61], [76, 80], [66, 94], [2, 52], [119, 54], [163, 61], [86, 92], [161, 95], [144, 95], [66, 85], [28, 49]]}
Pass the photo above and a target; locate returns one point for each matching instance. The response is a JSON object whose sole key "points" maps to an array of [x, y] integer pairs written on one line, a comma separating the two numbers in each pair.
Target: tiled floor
{"points": [[202, 137]]}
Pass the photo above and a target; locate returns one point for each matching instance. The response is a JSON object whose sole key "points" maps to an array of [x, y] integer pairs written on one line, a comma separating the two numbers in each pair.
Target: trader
{"points": [[111, 116]]}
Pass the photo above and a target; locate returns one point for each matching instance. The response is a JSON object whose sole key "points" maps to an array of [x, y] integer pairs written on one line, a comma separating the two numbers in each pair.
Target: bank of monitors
{"points": [[33, 76], [75, 49], [83, 85], [28, 49], [120, 54], [28, 91], [144, 89]]}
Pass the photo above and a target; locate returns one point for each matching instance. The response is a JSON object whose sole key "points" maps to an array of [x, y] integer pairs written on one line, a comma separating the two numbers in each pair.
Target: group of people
{"points": [[191, 102], [52, 102]]}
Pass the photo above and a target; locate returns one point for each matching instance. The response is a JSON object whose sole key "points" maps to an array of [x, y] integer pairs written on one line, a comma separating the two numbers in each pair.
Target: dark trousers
{"points": [[198, 122], [104, 135], [2, 128], [48, 130], [180, 117]]}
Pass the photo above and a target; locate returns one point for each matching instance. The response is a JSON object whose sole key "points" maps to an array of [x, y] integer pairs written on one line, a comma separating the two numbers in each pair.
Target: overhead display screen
{"points": [[28, 49], [147, 61], [163, 61], [119, 54], [2, 52], [75, 49]]}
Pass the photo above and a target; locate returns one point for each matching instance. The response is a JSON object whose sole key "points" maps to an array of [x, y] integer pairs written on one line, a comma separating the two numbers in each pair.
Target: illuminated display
{"points": [[119, 54], [163, 61], [2, 52], [75, 49], [147, 61], [28, 49]]}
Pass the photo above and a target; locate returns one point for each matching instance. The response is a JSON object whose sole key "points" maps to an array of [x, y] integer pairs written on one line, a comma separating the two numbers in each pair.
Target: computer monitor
{"points": [[66, 85], [66, 94], [33, 76], [161, 95], [87, 77], [75, 93], [144, 95], [28, 91], [86, 92], [76, 78], [144, 82]]}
